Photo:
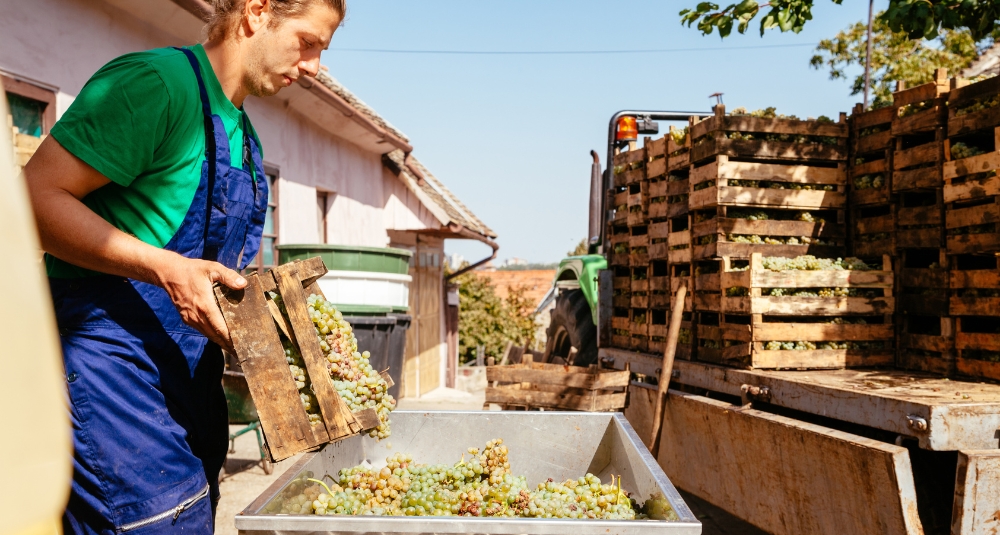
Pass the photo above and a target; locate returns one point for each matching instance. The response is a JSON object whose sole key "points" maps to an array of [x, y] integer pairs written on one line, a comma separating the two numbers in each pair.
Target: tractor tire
{"points": [[571, 327]]}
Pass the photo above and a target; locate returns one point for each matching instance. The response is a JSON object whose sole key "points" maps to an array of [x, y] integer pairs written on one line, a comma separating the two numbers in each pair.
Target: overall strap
{"points": [[210, 148]]}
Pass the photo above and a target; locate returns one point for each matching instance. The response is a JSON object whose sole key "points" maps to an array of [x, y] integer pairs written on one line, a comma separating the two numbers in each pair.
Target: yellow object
{"points": [[36, 450]]}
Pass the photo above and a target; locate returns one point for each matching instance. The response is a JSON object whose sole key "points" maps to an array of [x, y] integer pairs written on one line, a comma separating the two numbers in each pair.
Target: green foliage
{"points": [[484, 319], [914, 18], [895, 57], [580, 249]]}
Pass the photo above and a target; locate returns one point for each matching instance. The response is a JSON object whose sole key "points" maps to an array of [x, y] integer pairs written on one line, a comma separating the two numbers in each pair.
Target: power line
{"points": [[559, 52]]}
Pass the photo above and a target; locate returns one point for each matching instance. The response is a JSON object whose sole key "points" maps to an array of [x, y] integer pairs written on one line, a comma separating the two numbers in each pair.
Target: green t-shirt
{"points": [[139, 122]]}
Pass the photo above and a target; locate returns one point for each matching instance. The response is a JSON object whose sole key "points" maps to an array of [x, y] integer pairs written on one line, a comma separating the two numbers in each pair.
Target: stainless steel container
{"points": [[560, 445]]}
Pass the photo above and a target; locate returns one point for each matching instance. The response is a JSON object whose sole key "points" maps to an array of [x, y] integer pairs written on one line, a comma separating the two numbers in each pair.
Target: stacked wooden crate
{"points": [[766, 322], [770, 186], [919, 122], [669, 229], [619, 238], [972, 216], [869, 173]]}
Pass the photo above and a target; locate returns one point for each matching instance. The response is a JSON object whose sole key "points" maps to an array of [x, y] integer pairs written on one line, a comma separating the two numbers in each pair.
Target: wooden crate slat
{"points": [[336, 416], [309, 271], [563, 376], [823, 358], [532, 398]]}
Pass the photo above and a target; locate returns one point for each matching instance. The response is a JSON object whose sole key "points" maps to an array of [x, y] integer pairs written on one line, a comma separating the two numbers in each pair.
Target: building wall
{"points": [[61, 43]]}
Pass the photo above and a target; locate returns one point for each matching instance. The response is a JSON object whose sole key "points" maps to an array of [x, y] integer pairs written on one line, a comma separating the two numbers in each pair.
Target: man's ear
{"points": [[256, 15]]}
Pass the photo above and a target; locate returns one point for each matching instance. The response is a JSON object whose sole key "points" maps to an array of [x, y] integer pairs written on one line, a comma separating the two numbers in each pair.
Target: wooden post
{"points": [[667, 367]]}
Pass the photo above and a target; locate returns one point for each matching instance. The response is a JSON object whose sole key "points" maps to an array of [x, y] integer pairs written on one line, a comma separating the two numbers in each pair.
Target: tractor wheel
{"points": [[571, 327]]}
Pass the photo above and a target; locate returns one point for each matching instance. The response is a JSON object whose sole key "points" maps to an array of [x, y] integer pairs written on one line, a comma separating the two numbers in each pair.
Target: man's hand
{"points": [[189, 283]]}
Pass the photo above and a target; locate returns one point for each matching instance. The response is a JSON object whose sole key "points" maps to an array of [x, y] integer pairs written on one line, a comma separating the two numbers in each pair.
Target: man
{"points": [[149, 190]]}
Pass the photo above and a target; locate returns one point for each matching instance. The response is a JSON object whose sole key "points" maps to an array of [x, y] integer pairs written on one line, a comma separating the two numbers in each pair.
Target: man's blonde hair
{"points": [[229, 13]]}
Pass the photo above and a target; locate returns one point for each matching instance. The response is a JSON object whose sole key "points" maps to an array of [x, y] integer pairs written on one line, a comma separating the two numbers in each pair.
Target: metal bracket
{"points": [[916, 423], [751, 393]]}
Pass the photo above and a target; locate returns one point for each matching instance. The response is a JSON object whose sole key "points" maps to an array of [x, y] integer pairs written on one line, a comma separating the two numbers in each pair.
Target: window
{"points": [[32, 108], [322, 205], [267, 256]]}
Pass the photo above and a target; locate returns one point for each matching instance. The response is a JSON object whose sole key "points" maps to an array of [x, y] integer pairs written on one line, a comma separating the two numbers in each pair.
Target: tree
{"points": [[916, 18], [580, 249], [484, 319], [895, 57]]}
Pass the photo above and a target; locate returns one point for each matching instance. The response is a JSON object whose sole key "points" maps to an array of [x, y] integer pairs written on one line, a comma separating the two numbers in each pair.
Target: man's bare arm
{"points": [[58, 181]]}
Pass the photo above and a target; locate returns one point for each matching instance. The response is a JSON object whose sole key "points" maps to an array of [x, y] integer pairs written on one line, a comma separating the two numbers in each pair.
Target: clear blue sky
{"points": [[510, 134]]}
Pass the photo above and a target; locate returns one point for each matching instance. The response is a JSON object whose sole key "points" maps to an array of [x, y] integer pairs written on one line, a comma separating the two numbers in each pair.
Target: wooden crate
{"points": [[659, 284], [921, 108], [619, 237], [711, 229], [971, 189], [873, 230], [746, 323], [721, 182], [962, 121], [926, 344], [638, 243], [870, 131], [620, 336], [629, 166], [918, 160], [254, 321], [669, 196], [920, 220], [922, 282], [24, 148], [656, 157], [670, 240], [618, 201], [638, 202], [678, 154], [556, 386], [660, 323], [975, 305], [869, 182], [727, 135]]}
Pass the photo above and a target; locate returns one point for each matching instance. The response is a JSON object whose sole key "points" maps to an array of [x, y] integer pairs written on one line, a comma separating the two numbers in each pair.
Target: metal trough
{"points": [[560, 445]]}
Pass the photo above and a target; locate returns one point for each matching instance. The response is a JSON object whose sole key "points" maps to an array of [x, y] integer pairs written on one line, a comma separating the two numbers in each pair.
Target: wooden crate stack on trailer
{"points": [[972, 221], [669, 229], [845, 320], [619, 237], [925, 331], [775, 186], [869, 173]]}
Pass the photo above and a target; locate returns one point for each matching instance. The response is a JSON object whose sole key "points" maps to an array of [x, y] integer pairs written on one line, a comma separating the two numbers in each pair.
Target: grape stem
{"points": [[330, 492]]}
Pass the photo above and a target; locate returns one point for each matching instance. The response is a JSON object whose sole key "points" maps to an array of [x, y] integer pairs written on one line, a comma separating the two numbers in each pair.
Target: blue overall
{"points": [[149, 415]]}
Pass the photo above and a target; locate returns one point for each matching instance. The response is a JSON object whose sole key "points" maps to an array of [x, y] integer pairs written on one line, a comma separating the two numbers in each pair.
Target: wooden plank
{"points": [[337, 417], [920, 215], [977, 493], [874, 142], [767, 228], [784, 475], [823, 358], [927, 120], [808, 306], [920, 93], [960, 96], [867, 119], [565, 376], [656, 168], [980, 341], [979, 278], [975, 215], [767, 197], [639, 412], [974, 243], [722, 168], [820, 279], [931, 152], [534, 398], [973, 164], [746, 123], [308, 272], [870, 168], [820, 332], [778, 150], [262, 359], [921, 178]]}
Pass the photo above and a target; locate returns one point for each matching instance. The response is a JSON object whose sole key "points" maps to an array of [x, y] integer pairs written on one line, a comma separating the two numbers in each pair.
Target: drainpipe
{"points": [[466, 233]]}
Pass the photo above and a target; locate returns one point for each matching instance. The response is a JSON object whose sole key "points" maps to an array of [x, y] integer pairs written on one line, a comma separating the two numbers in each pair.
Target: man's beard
{"points": [[255, 78]]}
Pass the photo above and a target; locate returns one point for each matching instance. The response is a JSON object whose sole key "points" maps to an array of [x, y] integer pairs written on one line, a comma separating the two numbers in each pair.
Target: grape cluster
{"points": [[811, 346], [771, 240], [703, 185], [961, 150], [873, 237], [657, 200], [673, 177], [872, 181], [620, 248], [677, 199], [979, 104], [483, 486], [811, 263], [915, 108], [358, 384], [771, 113], [874, 129], [679, 135]]}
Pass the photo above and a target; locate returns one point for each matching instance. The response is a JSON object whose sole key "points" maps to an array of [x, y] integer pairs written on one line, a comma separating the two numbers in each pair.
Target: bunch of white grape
{"points": [[769, 184], [811, 263], [873, 181], [358, 384], [482, 486], [978, 104], [960, 150]]}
